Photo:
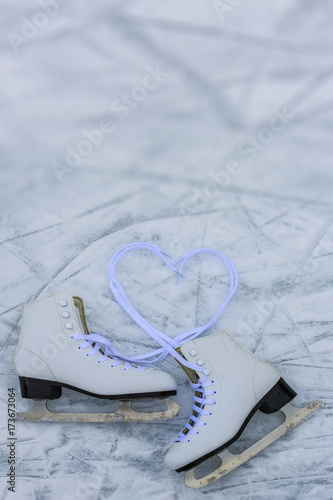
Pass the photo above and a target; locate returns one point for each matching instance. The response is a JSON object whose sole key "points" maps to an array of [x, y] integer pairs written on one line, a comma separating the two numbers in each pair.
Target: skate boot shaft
{"points": [[222, 354], [54, 351], [232, 386]]}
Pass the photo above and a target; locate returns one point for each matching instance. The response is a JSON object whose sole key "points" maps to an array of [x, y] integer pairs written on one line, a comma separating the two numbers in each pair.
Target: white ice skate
{"points": [[56, 350], [230, 386]]}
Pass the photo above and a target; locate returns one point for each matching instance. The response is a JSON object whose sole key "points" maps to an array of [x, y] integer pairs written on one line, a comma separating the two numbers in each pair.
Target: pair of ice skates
{"points": [[56, 350]]}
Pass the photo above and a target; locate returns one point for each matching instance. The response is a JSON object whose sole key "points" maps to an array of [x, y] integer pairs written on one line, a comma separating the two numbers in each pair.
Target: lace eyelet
{"points": [[205, 423], [198, 432], [210, 413], [215, 392], [71, 336], [98, 361], [111, 366], [78, 347], [87, 354], [188, 440]]}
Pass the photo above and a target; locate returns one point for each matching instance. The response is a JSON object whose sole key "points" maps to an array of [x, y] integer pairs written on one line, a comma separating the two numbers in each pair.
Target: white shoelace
{"points": [[198, 409], [168, 344], [94, 341]]}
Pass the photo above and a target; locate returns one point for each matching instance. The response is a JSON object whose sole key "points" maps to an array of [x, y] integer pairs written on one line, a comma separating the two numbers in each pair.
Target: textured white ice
{"points": [[223, 77]]}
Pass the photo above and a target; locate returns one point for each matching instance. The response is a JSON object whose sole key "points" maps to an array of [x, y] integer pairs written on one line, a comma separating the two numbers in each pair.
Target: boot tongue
{"points": [[194, 377], [81, 318], [79, 321], [80, 315], [192, 374]]}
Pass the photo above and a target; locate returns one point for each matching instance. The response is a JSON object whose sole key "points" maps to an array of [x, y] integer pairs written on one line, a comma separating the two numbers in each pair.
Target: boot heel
{"points": [[277, 397], [34, 388]]}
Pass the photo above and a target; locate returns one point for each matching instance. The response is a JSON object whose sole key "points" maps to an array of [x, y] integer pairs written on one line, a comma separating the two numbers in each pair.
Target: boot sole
{"points": [[34, 388], [277, 397]]}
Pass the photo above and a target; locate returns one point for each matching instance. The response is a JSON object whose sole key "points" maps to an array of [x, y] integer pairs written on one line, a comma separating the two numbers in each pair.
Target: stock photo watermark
{"points": [[121, 108], [30, 28], [262, 309], [50, 350], [253, 144], [12, 439], [248, 148], [200, 198]]}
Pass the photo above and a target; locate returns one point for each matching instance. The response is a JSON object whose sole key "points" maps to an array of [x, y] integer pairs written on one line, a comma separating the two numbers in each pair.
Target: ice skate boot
{"points": [[230, 385], [56, 350]]}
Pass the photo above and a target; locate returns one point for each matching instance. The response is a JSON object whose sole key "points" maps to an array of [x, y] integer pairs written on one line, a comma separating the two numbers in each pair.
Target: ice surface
{"points": [[164, 176]]}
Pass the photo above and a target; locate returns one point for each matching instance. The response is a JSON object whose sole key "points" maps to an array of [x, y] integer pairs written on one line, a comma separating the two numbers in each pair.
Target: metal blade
{"points": [[125, 413], [230, 461]]}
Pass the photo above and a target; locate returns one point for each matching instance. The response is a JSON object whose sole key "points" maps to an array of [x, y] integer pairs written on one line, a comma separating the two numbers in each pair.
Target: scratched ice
{"points": [[184, 126]]}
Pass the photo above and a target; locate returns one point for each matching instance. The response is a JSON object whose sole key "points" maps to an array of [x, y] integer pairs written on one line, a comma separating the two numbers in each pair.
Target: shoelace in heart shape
{"points": [[168, 345]]}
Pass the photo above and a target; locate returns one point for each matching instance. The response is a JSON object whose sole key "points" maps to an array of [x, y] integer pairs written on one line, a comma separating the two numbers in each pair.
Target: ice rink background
{"points": [[174, 168]]}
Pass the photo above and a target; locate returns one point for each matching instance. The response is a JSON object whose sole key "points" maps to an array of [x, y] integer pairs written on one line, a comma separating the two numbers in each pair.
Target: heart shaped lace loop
{"points": [[168, 345]]}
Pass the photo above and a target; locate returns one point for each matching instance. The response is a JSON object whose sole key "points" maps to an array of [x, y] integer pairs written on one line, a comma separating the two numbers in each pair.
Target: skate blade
{"points": [[125, 413], [230, 461]]}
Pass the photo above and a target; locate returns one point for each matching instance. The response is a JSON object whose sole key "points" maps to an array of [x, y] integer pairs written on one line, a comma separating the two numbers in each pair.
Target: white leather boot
{"points": [[55, 351], [232, 387]]}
